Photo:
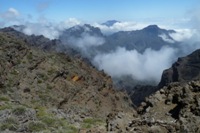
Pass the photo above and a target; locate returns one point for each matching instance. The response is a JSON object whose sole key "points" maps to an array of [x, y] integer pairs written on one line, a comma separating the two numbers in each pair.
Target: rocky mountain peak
{"points": [[153, 29], [78, 30], [110, 22]]}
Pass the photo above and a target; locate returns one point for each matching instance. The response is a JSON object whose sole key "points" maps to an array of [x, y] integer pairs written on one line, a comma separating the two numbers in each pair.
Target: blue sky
{"points": [[101, 10]]}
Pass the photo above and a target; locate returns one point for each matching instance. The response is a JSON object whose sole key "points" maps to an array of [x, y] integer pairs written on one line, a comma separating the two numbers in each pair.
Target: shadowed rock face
{"points": [[184, 69]]}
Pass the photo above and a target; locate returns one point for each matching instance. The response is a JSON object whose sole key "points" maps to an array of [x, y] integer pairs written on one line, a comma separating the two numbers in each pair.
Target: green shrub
{"points": [[14, 72], [49, 87], [36, 126], [41, 112], [42, 76], [89, 122], [30, 56], [2, 98], [3, 107], [39, 81], [19, 110], [9, 123], [51, 122], [44, 98], [51, 71], [67, 127], [92, 121]]}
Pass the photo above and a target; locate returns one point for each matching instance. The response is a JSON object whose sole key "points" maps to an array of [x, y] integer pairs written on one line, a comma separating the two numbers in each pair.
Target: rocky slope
{"points": [[39, 41], [172, 109], [51, 92]]}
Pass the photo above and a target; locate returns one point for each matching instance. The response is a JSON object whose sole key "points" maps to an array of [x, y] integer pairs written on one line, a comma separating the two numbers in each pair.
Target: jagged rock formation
{"points": [[40, 41], [37, 41], [78, 30], [52, 92], [140, 92], [174, 108], [185, 69]]}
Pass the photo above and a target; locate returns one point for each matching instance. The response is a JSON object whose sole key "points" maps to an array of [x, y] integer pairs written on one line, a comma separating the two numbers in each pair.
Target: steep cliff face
{"points": [[185, 69], [48, 91]]}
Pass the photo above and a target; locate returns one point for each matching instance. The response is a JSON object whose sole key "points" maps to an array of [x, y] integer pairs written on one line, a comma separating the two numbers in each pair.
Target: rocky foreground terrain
{"points": [[172, 109], [46, 91]]}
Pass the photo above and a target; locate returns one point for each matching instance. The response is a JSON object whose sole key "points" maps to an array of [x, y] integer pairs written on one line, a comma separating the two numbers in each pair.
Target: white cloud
{"points": [[87, 40], [166, 38], [182, 34], [10, 14], [120, 26], [68, 23], [143, 67], [49, 31], [10, 17], [13, 11], [84, 44]]}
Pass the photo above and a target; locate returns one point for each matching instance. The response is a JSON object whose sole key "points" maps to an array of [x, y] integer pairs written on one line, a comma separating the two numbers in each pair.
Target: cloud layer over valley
{"points": [[147, 66]]}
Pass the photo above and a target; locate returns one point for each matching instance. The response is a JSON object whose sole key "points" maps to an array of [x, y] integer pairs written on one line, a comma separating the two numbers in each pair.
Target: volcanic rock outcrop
{"points": [[185, 69]]}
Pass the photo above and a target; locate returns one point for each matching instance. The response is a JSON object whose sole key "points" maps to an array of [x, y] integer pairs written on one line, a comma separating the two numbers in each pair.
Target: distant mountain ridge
{"points": [[138, 39], [148, 37], [77, 30], [110, 23]]}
